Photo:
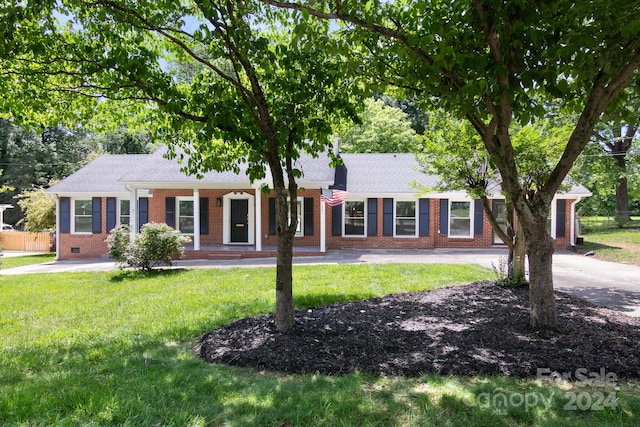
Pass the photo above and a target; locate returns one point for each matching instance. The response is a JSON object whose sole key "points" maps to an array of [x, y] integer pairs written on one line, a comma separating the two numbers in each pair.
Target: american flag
{"points": [[333, 197]]}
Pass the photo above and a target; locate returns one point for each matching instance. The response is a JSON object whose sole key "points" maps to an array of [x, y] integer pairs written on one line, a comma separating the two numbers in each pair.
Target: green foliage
{"points": [[453, 151], [39, 210], [154, 245], [33, 159], [504, 277], [117, 348], [123, 141], [611, 243], [382, 129], [621, 220], [20, 261], [118, 242]]}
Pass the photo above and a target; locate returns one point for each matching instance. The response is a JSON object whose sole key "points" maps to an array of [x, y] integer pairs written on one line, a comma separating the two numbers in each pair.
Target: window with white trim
{"points": [[82, 216], [405, 218], [551, 225], [300, 227], [125, 213], [354, 218], [460, 215], [185, 214]]}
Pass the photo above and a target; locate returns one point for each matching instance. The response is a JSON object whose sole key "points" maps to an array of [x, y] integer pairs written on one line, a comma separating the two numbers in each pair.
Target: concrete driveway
{"points": [[610, 284]]}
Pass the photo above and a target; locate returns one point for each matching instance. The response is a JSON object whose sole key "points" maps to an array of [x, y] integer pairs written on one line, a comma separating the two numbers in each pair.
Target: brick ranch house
{"points": [[227, 216]]}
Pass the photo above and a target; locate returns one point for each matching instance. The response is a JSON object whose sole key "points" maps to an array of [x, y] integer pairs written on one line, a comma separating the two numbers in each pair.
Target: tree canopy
{"points": [[495, 63], [381, 129], [224, 83]]}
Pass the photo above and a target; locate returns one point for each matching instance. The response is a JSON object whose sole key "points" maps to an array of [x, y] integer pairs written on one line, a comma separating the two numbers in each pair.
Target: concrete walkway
{"points": [[610, 284]]}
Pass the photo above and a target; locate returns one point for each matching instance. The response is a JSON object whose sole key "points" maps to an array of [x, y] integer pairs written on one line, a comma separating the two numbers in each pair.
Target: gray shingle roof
{"points": [[158, 169], [100, 176], [384, 173], [371, 173], [112, 173]]}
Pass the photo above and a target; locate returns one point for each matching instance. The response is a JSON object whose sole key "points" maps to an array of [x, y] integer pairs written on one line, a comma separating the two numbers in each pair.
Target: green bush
{"points": [[118, 242], [155, 244]]}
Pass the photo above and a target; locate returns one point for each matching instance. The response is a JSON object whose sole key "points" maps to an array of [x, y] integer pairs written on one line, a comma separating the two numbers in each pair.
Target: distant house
{"points": [[227, 216]]}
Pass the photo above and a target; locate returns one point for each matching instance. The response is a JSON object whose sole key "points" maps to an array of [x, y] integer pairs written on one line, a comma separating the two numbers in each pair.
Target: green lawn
{"points": [[610, 242], [19, 261], [117, 349]]}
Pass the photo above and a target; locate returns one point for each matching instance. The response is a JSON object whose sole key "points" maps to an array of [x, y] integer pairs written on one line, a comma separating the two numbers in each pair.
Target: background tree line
{"points": [[32, 159]]}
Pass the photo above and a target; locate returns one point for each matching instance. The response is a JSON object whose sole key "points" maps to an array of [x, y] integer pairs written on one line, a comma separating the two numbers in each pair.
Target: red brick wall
{"points": [[94, 246], [434, 240], [88, 245], [157, 208], [303, 241]]}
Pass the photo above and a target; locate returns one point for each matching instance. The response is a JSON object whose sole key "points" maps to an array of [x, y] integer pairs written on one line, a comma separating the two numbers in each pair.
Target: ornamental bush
{"points": [[118, 242], [155, 244]]}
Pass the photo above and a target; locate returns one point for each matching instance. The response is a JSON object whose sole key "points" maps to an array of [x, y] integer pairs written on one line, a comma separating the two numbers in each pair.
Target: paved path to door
{"points": [[610, 284]]}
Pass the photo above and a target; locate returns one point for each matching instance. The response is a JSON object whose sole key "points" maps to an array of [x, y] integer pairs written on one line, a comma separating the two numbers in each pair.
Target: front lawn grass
{"points": [[610, 242], [19, 261], [117, 349]]}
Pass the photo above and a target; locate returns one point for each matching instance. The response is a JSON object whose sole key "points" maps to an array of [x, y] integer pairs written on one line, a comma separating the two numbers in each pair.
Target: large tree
{"points": [[258, 85], [494, 62], [616, 136], [381, 129]]}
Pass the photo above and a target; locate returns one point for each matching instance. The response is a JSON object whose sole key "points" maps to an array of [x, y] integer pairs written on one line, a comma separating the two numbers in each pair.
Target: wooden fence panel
{"points": [[23, 241]]}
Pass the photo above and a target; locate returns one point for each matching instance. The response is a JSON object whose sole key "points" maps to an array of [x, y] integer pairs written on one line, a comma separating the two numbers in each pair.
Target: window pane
{"points": [[354, 218], [460, 219], [83, 224], [405, 218], [186, 208], [82, 216], [186, 225], [405, 227], [406, 209], [300, 217], [124, 212], [354, 209], [460, 209], [185, 217], [460, 227], [354, 227], [82, 207], [124, 207]]}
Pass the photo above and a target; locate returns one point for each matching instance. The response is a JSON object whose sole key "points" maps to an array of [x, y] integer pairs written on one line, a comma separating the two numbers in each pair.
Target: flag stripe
{"points": [[335, 197]]}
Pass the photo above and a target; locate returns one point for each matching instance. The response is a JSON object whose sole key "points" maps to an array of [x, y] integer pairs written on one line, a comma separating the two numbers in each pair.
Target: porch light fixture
{"points": [[218, 201]]}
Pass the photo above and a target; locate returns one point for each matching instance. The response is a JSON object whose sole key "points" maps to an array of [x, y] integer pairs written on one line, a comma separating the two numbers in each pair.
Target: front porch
{"points": [[223, 252]]}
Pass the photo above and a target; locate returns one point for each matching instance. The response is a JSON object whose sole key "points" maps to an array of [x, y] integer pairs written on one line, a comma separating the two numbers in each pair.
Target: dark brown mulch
{"points": [[481, 328]]}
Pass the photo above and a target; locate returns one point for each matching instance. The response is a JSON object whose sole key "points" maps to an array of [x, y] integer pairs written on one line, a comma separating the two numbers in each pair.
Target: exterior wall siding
{"points": [[77, 246], [269, 240]]}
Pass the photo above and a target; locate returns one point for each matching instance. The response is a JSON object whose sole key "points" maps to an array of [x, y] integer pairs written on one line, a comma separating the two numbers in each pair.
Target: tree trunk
{"points": [[517, 261], [622, 195], [284, 264], [542, 301]]}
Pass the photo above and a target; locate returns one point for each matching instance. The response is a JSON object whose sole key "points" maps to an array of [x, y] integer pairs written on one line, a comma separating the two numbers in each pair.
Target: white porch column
{"points": [[196, 219], [133, 213], [258, 222], [57, 227], [323, 226]]}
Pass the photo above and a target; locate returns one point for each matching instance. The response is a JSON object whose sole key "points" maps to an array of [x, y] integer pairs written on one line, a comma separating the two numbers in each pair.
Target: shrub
{"points": [[621, 220], [504, 276], [118, 242], [155, 244]]}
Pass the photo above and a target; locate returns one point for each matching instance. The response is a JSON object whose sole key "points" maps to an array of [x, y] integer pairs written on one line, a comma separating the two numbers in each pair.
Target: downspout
{"points": [[573, 221]]}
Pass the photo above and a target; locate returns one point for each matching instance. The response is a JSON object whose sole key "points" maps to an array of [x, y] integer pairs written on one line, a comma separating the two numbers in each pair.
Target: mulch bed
{"points": [[478, 329]]}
